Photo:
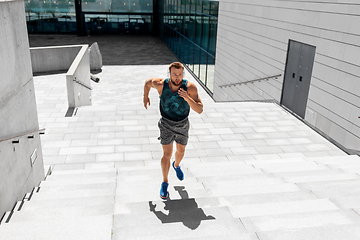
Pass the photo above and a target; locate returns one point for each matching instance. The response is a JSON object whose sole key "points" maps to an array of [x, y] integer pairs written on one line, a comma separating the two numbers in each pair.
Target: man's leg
{"points": [[165, 161], [179, 154]]}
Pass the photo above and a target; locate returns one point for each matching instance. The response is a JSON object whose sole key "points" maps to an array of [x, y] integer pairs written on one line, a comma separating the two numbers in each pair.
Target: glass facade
{"points": [[188, 27], [98, 16], [190, 30], [50, 16]]}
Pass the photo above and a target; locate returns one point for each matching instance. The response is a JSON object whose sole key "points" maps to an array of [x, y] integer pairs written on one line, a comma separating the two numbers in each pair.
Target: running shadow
{"points": [[184, 210]]}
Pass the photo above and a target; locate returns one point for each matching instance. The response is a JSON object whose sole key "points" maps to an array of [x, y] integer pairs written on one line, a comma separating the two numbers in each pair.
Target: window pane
{"points": [[197, 55], [205, 32], [210, 73], [202, 75], [198, 29], [193, 27], [50, 16]]}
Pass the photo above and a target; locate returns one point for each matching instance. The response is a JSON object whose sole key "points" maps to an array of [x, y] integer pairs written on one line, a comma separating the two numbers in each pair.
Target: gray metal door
{"points": [[298, 70]]}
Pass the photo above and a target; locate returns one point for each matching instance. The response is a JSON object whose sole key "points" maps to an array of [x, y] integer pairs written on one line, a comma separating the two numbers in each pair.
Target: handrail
{"points": [[251, 81], [82, 84], [40, 130]]}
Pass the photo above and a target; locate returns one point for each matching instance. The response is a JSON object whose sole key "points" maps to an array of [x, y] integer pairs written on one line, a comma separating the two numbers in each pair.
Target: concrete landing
{"points": [[252, 171]]}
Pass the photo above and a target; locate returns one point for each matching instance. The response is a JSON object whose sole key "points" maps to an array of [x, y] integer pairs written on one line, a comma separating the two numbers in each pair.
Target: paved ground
{"points": [[116, 50], [252, 171]]}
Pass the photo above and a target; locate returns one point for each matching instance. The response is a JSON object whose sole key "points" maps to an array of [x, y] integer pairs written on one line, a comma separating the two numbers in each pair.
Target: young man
{"points": [[177, 96]]}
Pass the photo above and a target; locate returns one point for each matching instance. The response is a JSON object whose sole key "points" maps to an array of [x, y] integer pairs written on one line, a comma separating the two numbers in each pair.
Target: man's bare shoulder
{"points": [[191, 86], [157, 81]]}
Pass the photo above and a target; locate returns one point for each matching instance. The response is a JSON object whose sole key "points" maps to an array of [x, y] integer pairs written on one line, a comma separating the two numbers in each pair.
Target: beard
{"points": [[175, 84]]}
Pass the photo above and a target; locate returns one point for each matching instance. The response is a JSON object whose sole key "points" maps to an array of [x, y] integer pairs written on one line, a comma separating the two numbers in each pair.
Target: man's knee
{"points": [[166, 156], [180, 148]]}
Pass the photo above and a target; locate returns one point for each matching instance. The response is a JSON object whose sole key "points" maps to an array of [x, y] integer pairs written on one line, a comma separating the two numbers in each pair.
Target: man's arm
{"points": [[192, 97], [156, 83]]}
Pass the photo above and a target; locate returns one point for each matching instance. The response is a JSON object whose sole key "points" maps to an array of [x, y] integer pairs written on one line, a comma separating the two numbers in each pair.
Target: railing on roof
{"points": [[251, 81]]}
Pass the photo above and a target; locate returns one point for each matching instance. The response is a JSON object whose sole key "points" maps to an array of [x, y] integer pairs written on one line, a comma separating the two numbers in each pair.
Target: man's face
{"points": [[176, 76]]}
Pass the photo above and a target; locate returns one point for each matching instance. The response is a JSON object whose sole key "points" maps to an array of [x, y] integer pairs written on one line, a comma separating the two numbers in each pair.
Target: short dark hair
{"points": [[177, 65]]}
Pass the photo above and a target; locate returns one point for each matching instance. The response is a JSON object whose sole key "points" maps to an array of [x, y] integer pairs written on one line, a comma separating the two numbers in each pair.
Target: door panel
{"points": [[297, 77]]}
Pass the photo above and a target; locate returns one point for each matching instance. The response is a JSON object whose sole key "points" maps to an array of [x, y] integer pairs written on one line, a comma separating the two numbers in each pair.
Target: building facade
{"points": [[303, 55]]}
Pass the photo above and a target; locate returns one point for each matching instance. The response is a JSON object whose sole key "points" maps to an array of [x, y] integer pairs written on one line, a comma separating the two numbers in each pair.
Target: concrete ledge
{"points": [[78, 79], [53, 59], [72, 59]]}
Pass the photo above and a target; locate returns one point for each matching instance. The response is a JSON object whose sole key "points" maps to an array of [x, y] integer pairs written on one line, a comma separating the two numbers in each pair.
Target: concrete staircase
{"points": [[298, 198], [252, 171]]}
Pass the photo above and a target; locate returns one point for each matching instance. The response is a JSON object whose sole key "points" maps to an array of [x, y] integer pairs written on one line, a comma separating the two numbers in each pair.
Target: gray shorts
{"points": [[173, 131]]}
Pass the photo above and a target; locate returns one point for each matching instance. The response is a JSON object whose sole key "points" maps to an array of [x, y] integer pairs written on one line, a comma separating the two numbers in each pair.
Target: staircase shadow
{"points": [[183, 210]]}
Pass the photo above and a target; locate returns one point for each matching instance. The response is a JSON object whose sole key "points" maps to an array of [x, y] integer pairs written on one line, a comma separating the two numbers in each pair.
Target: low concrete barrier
{"points": [[53, 59], [72, 59], [78, 80]]}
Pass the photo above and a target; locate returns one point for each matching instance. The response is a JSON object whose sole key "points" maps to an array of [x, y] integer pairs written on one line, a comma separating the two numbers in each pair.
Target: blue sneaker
{"points": [[164, 194], [179, 172]]}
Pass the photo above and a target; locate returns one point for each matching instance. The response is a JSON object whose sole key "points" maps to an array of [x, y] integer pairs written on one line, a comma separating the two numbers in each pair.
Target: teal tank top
{"points": [[172, 106]]}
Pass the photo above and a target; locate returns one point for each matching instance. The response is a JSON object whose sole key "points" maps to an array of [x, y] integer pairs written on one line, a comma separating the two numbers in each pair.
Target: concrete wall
{"points": [[252, 43], [78, 91], [72, 59], [53, 59], [18, 112]]}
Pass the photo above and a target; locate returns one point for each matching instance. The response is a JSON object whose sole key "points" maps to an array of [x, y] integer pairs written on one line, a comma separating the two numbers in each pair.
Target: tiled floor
{"points": [[117, 127]]}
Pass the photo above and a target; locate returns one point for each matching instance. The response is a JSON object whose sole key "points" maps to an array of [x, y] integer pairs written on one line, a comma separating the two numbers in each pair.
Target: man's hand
{"points": [[182, 93], [146, 102], [191, 97]]}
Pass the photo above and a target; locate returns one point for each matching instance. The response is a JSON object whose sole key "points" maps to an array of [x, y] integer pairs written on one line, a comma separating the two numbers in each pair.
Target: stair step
{"points": [[336, 159], [276, 160], [79, 179], [312, 205], [63, 213], [82, 174], [5, 217], [36, 204], [333, 189], [346, 202], [214, 172], [90, 228], [244, 182], [172, 212], [235, 177], [146, 188], [143, 207], [324, 177], [294, 221], [237, 236], [255, 189], [263, 198], [155, 195], [289, 167], [182, 230], [129, 177], [350, 169], [76, 186], [74, 194], [348, 231]]}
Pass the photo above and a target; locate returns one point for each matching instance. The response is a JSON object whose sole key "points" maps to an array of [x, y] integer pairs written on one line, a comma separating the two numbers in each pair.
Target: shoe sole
{"points": [[164, 198]]}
